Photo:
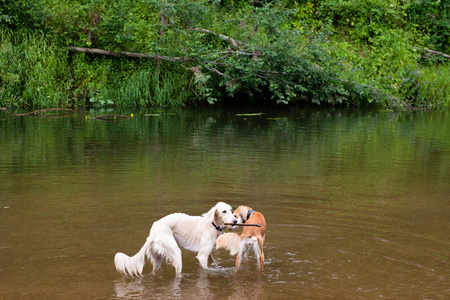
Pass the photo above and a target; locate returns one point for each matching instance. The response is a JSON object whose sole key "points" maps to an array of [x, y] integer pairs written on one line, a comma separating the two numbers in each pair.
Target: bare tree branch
{"points": [[127, 54], [233, 42], [433, 52], [218, 72]]}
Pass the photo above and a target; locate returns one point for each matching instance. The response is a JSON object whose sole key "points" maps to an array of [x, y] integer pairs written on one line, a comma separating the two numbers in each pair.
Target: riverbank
{"points": [[338, 53]]}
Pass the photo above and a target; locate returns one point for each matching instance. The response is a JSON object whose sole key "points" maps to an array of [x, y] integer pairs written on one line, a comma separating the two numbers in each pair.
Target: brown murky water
{"points": [[357, 204]]}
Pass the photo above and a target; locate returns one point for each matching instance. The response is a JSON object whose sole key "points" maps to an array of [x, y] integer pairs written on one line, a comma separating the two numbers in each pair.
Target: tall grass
{"points": [[146, 87], [425, 87], [436, 86], [114, 82], [33, 71]]}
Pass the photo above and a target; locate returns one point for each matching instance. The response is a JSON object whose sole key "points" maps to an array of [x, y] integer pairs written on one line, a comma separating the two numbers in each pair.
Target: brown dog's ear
{"points": [[243, 211]]}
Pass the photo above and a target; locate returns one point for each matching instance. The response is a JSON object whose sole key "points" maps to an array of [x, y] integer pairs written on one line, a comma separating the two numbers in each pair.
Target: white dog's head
{"points": [[223, 214]]}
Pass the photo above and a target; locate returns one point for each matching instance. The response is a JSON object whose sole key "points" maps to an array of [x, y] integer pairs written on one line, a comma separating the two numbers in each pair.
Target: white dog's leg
{"points": [[174, 256], [203, 256], [178, 265], [211, 259], [156, 259], [203, 260], [172, 252], [244, 248]]}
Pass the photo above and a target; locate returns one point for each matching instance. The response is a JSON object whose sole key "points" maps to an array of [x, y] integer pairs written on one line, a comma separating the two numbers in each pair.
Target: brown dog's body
{"points": [[251, 237]]}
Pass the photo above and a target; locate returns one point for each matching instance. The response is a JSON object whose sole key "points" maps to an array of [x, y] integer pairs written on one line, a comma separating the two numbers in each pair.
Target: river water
{"points": [[357, 203]]}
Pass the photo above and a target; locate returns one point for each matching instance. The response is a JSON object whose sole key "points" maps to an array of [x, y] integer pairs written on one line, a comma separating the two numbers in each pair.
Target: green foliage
{"points": [[71, 22], [428, 87], [105, 82], [33, 72], [145, 88], [432, 20], [21, 13], [339, 52], [363, 19], [121, 26], [290, 69], [305, 13], [376, 43], [91, 77]]}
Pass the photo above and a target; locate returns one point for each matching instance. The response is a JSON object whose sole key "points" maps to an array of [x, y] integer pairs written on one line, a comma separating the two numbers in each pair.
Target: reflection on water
{"points": [[141, 288], [357, 203], [205, 284]]}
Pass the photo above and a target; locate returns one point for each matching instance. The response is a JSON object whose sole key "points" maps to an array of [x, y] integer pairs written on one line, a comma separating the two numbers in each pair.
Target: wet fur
{"points": [[194, 233], [252, 237]]}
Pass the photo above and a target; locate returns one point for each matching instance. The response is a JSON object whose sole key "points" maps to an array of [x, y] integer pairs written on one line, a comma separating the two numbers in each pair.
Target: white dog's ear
{"points": [[217, 218]]}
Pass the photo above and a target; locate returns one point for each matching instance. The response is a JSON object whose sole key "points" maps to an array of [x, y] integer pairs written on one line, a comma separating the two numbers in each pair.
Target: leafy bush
{"points": [[363, 20], [432, 20], [22, 13]]}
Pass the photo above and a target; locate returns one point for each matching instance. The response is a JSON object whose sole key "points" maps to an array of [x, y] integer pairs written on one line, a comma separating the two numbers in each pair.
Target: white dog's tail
{"points": [[133, 266], [230, 241]]}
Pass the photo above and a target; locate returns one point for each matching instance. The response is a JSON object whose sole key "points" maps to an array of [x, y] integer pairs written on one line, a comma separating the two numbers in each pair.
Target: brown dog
{"points": [[251, 237]]}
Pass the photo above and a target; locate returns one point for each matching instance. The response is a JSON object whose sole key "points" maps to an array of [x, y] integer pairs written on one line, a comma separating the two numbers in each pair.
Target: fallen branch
{"points": [[110, 117], [229, 51], [218, 72], [243, 224], [126, 54], [40, 111], [433, 52], [232, 41]]}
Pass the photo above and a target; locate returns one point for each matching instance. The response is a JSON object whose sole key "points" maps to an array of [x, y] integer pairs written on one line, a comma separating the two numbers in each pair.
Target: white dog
{"points": [[194, 233]]}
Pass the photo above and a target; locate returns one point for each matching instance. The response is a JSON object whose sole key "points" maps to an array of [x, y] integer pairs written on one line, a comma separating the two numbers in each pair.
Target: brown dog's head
{"points": [[242, 213]]}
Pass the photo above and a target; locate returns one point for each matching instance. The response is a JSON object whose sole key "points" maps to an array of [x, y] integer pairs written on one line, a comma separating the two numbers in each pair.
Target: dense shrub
{"points": [[432, 20], [22, 13]]}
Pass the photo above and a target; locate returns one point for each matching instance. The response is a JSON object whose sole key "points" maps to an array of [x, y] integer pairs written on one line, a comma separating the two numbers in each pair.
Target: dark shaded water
{"points": [[357, 204]]}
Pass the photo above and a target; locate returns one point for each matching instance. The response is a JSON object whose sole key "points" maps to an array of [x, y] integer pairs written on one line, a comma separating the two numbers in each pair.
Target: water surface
{"points": [[357, 203]]}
